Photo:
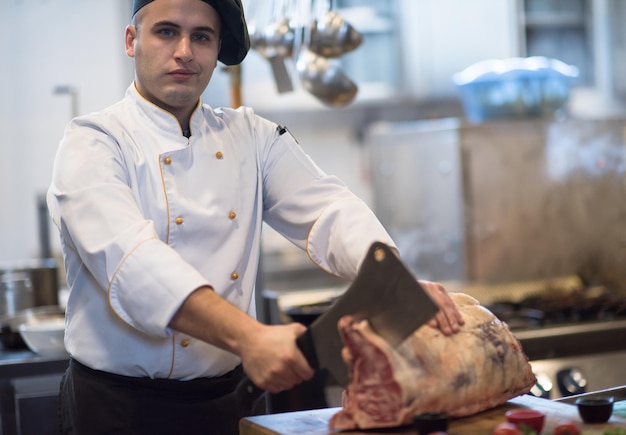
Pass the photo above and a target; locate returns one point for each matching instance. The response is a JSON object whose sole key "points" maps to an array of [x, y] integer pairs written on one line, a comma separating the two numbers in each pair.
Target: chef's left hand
{"points": [[448, 319]]}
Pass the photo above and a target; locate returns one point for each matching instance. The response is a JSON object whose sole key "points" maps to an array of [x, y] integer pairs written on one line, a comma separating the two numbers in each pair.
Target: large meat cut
{"points": [[476, 369]]}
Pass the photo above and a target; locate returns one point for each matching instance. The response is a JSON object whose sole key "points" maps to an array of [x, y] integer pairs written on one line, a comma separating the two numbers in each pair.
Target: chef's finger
{"points": [[452, 310], [449, 319], [281, 381], [439, 321], [299, 370], [300, 375], [289, 379], [449, 308]]}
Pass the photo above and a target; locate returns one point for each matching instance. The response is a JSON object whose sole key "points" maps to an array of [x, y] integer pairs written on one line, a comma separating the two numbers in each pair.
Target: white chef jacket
{"points": [[147, 216]]}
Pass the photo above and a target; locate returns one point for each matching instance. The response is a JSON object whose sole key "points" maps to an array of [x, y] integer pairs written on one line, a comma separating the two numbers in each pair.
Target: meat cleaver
{"points": [[384, 293]]}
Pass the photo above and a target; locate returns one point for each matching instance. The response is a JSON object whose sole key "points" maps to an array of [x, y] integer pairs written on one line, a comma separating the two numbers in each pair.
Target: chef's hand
{"points": [[448, 319], [272, 359]]}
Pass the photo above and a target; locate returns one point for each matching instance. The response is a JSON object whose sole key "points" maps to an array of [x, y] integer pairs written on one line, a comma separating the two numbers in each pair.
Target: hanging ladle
{"points": [[275, 42], [320, 76], [324, 79], [332, 36]]}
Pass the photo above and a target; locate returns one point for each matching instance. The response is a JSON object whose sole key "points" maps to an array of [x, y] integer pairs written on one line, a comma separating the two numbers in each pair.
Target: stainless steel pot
{"points": [[39, 276], [25, 285], [16, 292]]}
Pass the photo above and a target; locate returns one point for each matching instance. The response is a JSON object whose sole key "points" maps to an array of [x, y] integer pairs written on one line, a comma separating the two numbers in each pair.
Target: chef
{"points": [[159, 200]]}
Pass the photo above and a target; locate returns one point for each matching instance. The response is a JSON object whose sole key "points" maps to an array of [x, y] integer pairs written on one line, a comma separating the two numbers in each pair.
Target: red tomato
{"points": [[506, 429], [567, 428]]}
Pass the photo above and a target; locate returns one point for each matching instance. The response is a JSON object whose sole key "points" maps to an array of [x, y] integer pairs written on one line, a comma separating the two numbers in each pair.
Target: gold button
{"points": [[232, 215], [234, 276], [167, 160], [219, 155], [184, 343], [179, 221]]}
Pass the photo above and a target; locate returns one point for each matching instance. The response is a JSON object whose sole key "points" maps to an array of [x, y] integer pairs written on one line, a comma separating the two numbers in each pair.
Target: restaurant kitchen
{"points": [[505, 209]]}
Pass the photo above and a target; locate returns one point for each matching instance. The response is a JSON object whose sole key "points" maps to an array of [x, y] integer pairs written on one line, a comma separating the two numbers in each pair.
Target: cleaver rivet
{"points": [[379, 255]]}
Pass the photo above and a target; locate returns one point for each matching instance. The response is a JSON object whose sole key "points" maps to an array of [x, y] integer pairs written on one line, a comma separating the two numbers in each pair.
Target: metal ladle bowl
{"points": [[275, 40], [325, 79], [332, 36]]}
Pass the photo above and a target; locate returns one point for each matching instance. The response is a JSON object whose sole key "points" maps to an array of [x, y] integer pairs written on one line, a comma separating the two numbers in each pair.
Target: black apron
{"points": [[94, 402]]}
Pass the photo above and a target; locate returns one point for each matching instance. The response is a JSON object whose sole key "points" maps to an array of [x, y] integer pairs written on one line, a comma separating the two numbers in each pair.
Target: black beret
{"points": [[235, 38]]}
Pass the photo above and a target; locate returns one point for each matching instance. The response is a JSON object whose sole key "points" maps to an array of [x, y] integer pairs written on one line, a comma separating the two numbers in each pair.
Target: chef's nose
{"points": [[183, 49]]}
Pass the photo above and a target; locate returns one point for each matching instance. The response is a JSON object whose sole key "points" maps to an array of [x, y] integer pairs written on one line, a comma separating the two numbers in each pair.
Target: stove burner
{"points": [[591, 304]]}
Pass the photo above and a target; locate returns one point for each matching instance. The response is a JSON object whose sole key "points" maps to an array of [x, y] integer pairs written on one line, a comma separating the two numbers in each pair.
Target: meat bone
{"points": [[385, 293]]}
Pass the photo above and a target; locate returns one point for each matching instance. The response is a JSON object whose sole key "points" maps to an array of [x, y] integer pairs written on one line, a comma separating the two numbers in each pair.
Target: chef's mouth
{"points": [[182, 74]]}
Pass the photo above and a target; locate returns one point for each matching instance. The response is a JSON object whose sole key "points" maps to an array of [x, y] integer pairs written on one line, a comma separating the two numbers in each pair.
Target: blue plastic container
{"points": [[514, 88]]}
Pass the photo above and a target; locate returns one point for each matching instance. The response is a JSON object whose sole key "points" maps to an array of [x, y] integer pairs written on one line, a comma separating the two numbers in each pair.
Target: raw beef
{"points": [[476, 369]]}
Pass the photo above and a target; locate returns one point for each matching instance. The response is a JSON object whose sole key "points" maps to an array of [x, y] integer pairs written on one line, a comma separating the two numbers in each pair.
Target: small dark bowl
{"points": [[432, 422], [595, 410]]}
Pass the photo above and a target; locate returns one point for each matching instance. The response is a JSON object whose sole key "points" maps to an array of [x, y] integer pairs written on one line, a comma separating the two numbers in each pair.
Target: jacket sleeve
{"points": [[317, 211], [104, 230]]}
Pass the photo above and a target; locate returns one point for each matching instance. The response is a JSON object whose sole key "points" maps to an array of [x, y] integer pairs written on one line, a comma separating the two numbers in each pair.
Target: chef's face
{"points": [[175, 44]]}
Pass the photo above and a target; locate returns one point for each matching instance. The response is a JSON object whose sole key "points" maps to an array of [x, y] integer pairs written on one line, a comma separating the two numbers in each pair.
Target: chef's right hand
{"points": [[272, 360]]}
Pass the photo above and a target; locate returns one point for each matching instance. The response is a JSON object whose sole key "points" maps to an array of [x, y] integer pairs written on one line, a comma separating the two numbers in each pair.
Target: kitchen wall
{"points": [[45, 44], [444, 36]]}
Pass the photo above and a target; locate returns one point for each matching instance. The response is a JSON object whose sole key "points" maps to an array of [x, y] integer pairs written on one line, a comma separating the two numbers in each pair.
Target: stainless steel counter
{"points": [[22, 363], [29, 386]]}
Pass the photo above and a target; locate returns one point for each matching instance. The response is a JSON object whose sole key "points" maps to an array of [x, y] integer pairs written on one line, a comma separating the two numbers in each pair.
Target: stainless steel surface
{"points": [[503, 201], [309, 39], [16, 292], [325, 79], [275, 43], [574, 339], [275, 40], [332, 36], [418, 193], [24, 363], [43, 276], [33, 379], [618, 394], [591, 372], [43, 220], [614, 328]]}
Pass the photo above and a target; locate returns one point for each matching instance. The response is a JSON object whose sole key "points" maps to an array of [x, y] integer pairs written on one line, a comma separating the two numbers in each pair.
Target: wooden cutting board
{"points": [[316, 422]]}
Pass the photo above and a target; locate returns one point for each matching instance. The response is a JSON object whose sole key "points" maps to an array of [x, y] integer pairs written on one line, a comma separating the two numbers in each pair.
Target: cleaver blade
{"points": [[386, 294]]}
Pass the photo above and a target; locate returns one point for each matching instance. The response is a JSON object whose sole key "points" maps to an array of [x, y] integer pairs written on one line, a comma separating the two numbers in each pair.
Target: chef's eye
{"points": [[201, 37], [166, 32]]}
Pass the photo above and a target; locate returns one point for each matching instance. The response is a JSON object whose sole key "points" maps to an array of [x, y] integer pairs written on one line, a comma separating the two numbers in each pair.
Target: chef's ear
{"points": [[129, 38]]}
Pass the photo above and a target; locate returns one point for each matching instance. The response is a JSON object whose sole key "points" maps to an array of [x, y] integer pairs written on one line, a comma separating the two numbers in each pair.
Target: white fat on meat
{"points": [[480, 367]]}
